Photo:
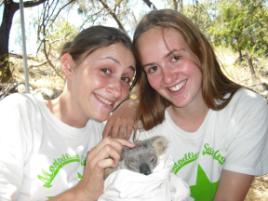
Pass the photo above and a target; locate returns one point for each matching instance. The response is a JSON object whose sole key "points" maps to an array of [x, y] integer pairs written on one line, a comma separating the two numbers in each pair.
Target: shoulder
{"points": [[18, 99], [246, 100], [248, 96], [20, 103]]}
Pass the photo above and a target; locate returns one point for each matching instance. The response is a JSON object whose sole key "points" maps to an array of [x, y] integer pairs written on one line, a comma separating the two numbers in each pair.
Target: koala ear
{"points": [[159, 144]]}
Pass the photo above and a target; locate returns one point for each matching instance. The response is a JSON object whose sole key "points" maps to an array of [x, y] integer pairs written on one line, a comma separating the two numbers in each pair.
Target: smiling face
{"points": [[171, 67], [100, 81]]}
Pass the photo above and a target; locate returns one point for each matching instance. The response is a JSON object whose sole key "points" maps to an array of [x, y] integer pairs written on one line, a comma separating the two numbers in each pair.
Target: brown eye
{"points": [[151, 69], [126, 79], [175, 58], [106, 71]]}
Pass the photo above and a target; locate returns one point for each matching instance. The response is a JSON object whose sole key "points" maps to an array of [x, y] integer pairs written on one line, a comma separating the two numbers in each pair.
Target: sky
{"points": [[15, 42]]}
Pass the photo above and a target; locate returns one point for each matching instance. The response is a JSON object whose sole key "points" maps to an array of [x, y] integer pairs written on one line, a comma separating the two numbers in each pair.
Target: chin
{"points": [[101, 118]]}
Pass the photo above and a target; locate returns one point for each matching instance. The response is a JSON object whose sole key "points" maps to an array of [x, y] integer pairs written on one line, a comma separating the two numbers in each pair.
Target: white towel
{"points": [[161, 185]]}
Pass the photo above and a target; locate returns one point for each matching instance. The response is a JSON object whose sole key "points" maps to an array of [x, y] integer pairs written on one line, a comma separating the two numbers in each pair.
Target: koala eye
{"points": [[153, 160]]}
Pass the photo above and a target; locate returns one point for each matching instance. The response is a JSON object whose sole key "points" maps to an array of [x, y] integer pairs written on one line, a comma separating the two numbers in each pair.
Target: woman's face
{"points": [[171, 67], [99, 82]]}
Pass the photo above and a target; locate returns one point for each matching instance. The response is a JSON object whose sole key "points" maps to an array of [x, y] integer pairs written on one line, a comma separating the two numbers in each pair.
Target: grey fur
{"points": [[143, 158]]}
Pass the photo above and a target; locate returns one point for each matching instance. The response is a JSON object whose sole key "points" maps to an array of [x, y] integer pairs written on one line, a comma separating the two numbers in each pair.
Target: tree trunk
{"points": [[10, 7], [240, 55], [251, 67], [9, 10]]}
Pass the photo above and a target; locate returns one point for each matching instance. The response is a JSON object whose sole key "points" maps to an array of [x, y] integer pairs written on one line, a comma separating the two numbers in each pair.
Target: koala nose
{"points": [[145, 169]]}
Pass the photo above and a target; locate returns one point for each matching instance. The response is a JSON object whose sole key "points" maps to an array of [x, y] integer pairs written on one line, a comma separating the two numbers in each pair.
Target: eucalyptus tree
{"points": [[243, 26], [10, 7]]}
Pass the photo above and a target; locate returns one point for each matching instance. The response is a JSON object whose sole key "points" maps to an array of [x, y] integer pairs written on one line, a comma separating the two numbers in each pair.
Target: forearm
{"points": [[123, 119], [233, 186]]}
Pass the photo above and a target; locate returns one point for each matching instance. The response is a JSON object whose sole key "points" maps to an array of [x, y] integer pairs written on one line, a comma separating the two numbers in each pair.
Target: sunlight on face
{"points": [[101, 81]]}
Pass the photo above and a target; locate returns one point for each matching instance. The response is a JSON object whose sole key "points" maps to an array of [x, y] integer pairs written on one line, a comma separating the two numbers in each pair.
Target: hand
{"points": [[122, 121], [104, 155]]}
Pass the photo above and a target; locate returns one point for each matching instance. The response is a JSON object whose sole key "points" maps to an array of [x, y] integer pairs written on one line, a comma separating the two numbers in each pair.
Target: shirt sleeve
{"points": [[248, 136], [17, 125]]}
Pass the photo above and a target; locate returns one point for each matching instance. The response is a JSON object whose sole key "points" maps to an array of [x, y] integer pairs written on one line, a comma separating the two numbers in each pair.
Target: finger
{"points": [[114, 131], [130, 129], [107, 152], [126, 143], [115, 143], [108, 127], [123, 131], [117, 130], [106, 163]]}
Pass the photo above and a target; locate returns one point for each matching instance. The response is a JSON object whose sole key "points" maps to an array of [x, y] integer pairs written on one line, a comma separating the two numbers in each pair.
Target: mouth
{"points": [[104, 101], [177, 87]]}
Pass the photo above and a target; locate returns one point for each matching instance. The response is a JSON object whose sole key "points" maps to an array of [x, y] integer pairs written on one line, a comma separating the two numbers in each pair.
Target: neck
{"points": [[189, 118], [64, 110]]}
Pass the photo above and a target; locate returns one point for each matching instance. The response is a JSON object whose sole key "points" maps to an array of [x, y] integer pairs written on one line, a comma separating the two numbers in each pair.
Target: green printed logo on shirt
{"points": [[203, 189], [187, 158], [215, 154], [47, 177]]}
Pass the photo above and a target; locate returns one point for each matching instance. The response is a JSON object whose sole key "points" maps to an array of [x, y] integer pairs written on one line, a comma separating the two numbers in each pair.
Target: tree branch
{"points": [[120, 25], [150, 4], [33, 3]]}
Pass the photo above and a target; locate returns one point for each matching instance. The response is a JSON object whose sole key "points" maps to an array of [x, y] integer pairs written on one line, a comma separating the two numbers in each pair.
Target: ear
{"points": [[67, 64], [159, 144]]}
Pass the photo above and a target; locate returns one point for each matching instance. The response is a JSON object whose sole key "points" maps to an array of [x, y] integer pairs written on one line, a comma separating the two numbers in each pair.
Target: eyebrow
{"points": [[167, 55], [116, 61]]}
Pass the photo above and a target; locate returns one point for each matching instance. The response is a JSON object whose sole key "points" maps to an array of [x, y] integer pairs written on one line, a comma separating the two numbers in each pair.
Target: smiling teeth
{"points": [[105, 101], [177, 87]]}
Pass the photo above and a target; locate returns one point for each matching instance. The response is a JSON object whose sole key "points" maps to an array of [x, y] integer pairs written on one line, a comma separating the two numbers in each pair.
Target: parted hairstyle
{"points": [[95, 37], [217, 89]]}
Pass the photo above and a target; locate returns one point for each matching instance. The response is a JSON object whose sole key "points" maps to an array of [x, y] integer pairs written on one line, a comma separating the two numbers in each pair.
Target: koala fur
{"points": [[143, 158]]}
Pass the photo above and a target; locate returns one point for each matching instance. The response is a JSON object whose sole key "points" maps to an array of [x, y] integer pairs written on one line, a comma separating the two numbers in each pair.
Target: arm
{"points": [[104, 155], [122, 121], [233, 186], [246, 148]]}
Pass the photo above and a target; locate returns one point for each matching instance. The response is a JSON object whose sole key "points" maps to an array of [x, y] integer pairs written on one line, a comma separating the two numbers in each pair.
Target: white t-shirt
{"points": [[40, 156], [234, 138]]}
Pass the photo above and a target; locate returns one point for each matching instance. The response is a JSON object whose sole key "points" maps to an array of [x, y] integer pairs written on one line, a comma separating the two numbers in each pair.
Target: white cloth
{"points": [[161, 185], [40, 156], [234, 138]]}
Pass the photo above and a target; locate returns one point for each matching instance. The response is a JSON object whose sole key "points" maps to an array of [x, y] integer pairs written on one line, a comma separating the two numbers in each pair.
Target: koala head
{"points": [[143, 158]]}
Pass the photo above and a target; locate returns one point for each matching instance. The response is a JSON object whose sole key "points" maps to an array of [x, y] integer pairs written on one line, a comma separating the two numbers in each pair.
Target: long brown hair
{"points": [[217, 89]]}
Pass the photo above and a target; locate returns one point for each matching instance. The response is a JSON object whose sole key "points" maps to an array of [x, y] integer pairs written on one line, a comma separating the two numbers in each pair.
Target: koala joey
{"points": [[143, 158]]}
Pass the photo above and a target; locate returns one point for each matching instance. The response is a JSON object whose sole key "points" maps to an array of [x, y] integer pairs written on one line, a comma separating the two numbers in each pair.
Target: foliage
{"points": [[242, 25], [62, 32], [201, 14]]}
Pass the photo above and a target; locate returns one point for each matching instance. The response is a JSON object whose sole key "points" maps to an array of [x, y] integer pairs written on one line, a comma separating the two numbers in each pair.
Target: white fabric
{"points": [[40, 156], [161, 185], [234, 138]]}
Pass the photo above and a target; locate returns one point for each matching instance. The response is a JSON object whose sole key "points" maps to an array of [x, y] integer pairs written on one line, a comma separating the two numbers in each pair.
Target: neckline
{"points": [[184, 132], [67, 130]]}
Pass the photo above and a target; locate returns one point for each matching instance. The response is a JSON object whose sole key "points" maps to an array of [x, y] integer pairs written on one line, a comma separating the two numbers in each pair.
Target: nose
{"points": [[168, 75], [115, 88], [145, 169]]}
